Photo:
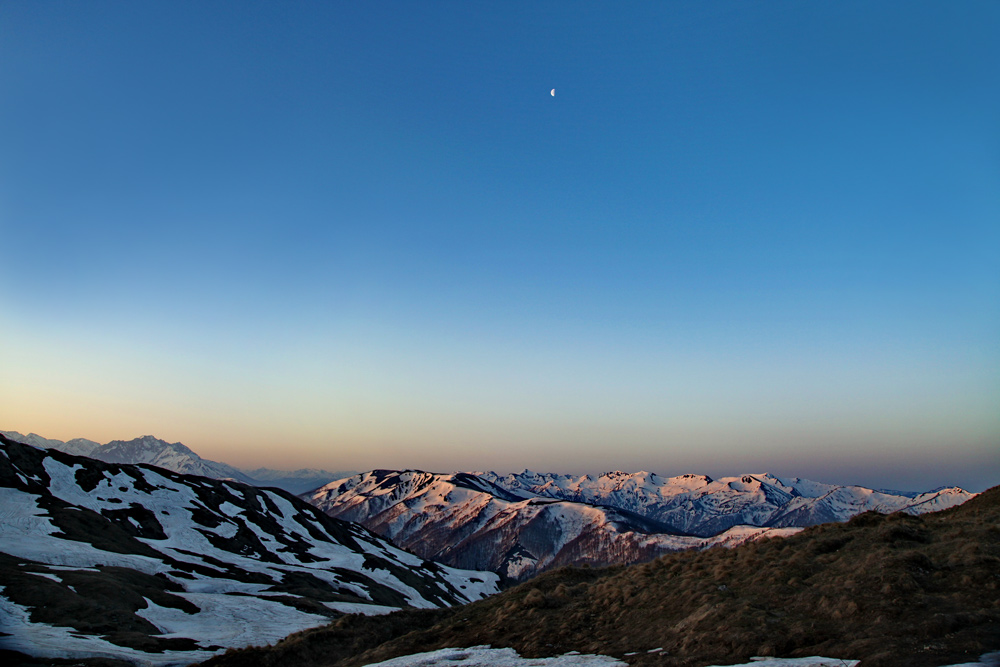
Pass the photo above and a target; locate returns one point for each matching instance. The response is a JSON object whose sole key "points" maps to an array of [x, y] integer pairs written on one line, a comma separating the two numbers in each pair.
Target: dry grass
{"points": [[17, 659], [344, 638], [892, 590]]}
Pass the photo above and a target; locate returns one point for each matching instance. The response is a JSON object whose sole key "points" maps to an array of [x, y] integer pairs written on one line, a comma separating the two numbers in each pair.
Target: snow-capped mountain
{"points": [[170, 455], [467, 521], [143, 564], [704, 506], [179, 458]]}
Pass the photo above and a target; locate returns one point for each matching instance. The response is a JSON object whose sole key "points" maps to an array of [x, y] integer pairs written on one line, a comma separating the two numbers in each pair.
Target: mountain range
{"points": [[521, 524], [893, 590], [179, 458], [700, 505], [139, 563], [464, 518]]}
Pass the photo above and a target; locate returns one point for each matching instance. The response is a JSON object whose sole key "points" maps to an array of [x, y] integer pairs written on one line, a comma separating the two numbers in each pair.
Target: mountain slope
{"points": [[467, 521], [892, 590], [700, 505], [137, 562]]}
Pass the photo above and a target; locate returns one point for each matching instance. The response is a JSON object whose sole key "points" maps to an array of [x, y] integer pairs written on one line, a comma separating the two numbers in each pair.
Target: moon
{"points": [[552, 92]]}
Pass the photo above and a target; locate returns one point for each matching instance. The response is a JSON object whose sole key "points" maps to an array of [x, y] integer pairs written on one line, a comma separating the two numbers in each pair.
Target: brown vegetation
{"points": [[890, 590]]}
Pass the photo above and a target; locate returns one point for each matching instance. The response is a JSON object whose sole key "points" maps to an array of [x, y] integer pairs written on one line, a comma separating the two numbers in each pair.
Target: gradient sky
{"points": [[741, 237]]}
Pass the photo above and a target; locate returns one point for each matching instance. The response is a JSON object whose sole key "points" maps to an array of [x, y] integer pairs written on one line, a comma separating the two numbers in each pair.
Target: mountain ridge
{"points": [[705, 506]]}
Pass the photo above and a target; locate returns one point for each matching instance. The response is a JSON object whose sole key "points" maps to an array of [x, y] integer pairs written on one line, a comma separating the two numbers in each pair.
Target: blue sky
{"points": [[741, 236]]}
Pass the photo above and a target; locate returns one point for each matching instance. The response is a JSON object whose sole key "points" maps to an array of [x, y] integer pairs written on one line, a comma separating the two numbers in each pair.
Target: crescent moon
{"points": [[553, 92]]}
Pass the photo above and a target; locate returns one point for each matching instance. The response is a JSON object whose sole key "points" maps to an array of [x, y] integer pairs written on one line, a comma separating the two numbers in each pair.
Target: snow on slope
{"points": [[703, 506], [467, 521], [485, 656], [196, 565]]}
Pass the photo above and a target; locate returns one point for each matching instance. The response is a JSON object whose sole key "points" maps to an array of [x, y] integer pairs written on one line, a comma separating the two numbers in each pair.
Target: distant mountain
{"points": [[468, 521], [78, 446], [295, 481], [699, 505], [179, 458], [147, 449], [170, 455], [138, 563]]}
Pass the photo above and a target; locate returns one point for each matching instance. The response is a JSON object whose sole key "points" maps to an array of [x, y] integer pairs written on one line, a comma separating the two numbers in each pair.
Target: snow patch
{"points": [[229, 620], [485, 656], [48, 641], [987, 660], [796, 662], [357, 608]]}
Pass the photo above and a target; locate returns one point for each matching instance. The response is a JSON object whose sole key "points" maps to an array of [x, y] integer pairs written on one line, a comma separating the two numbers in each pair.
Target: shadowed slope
{"points": [[139, 563]]}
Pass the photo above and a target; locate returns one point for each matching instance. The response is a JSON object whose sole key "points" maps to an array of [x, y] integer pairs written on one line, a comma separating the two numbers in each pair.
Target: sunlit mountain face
{"points": [[521, 524]]}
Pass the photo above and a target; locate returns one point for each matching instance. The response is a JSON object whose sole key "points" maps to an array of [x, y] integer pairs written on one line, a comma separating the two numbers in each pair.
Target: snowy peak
{"points": [[173, 456], [146, 449]]}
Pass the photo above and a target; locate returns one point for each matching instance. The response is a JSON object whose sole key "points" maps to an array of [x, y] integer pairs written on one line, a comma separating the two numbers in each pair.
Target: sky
{"points": [[740, 237]]}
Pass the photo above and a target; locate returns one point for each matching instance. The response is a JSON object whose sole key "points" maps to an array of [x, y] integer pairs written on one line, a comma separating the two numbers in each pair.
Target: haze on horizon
{"points": [[742, 238]]}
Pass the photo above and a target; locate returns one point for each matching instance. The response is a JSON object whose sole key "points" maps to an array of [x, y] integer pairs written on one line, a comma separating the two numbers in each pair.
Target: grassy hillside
{"points": [[892, 590]]}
